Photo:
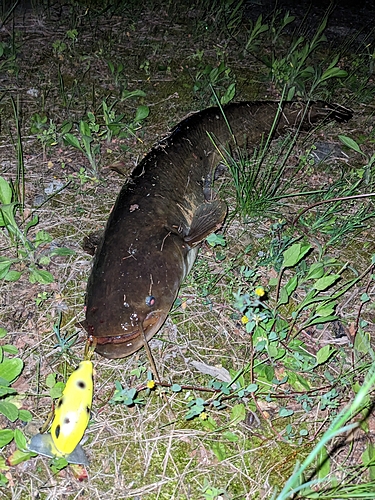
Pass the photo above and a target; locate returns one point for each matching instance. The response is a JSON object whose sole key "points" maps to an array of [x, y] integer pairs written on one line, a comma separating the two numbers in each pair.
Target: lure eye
{"points": [[150, 300]]}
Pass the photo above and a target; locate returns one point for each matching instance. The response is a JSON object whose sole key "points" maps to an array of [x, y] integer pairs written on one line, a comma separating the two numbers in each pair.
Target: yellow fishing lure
{"points": [[72, 412], [71, 417]]}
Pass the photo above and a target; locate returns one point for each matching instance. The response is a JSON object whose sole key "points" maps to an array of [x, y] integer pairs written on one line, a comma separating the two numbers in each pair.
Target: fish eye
{"points": [[150, 300]]}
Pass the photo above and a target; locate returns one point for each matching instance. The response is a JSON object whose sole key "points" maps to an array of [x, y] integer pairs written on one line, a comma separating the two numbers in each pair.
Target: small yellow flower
{"points": [[203, 416], [150, 384], [244, 320], [260, 291]]}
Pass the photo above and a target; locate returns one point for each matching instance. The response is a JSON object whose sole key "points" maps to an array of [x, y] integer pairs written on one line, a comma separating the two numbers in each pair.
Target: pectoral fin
{"points": [[207, 218], [43, 445]]}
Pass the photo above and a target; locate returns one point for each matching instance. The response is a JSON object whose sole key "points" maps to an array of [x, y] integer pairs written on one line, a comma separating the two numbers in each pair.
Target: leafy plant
{"points": [[8, 58], [344, 489], [28, 248], [46, 133], [10, 370], [350, 194], [92, 131], [117, 71], [292, 68], [218, 77]]}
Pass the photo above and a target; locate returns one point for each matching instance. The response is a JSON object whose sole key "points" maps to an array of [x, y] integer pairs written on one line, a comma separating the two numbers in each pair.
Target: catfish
{"points": [[166, 209]]}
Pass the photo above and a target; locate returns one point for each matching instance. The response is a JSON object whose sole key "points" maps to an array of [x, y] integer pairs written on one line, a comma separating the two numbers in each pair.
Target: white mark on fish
{"points": [[125, 303]]}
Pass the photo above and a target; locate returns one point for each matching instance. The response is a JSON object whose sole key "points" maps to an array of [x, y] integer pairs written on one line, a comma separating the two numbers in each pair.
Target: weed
{"points": [[31, 252], [308, 489], [295, 72], [342, 197], [91, 131], [8, 62], [117, 71], [10, 370], [47, 134], [218, 77]]}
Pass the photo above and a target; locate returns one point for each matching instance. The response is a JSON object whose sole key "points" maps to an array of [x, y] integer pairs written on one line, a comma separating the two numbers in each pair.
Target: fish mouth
{"points": [[120, 346]]}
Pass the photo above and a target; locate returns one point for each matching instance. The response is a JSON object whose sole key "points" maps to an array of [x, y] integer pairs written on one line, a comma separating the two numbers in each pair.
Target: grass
{"points": [[267, 356]]}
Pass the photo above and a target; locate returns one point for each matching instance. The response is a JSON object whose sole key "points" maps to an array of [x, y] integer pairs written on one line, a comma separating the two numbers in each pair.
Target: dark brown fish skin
{"points": [[163, 212]]}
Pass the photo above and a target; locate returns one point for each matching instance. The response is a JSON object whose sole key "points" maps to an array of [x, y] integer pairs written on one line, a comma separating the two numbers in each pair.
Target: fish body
{"points": [[164, 211]]}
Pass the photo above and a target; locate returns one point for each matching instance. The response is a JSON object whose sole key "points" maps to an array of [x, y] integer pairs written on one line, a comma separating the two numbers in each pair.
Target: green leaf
{"points": [[126, 94], [316, 271], [84, 128], [324, 354], [368, 459], [368, 456], [10, 349], [6, 436], [301, 383], [350, 143], [323, 464], [216, 239], [273, 350], [291, 285], [238, 413], [25, 415], [326, 309], [284, 297], [34, 221], [7, 218], [51, 380], [284, 412], [12, 276], [6, 193], [20, 456], [320, 320], [6, 390], [362, 342], [4, 267], [9, 410], [40, 276], [333, 73], [20, 440], [176, 388], [44, 260], [65, 128], [58, 463], [230, 436], [325, 282], [294, 254], [56, 391], [229, 94], [219, 450], [141, 113], [291, 93], [11, 368], [42, 237], [73, 141]]}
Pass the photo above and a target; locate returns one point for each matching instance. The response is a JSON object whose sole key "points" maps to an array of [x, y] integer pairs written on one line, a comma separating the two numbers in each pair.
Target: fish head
{"points": [[129, 296]]}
